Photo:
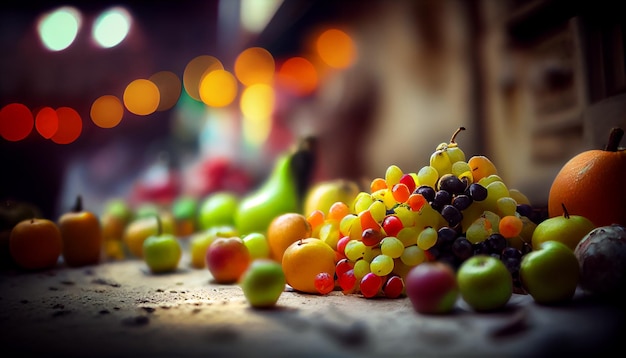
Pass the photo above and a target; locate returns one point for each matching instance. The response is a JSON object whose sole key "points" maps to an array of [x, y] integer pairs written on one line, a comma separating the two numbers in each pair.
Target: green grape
{"points": [[427, 175], [378, 211], [460, 167], [495, 191], [380, 194], [356, 230], [413, 256], [329, 233], [455, 154], [393, 175], [406, 216], [362, 203], [489, 179], [391, 246], [355, 250], [470, 214], [478, 231], [346, 223], [427, 238], [389, 200], [427, 216], [408, 236], [357, 198], [361, 268], [381, 265], [371, 252], [493, 219], [507, 206], [440, 160]]}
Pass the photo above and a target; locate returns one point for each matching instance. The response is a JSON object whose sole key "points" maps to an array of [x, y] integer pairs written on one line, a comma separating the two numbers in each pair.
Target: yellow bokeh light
{"points": [[218, 88], [336, 48], [107, 111], [141, 97], [255, 65], [257, 101], [196, 70]]}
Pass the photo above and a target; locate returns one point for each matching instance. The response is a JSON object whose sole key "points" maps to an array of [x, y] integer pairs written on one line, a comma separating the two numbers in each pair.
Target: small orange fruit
{"points": [[36, 244], [304, 259], [591, 184], [284, 230]]}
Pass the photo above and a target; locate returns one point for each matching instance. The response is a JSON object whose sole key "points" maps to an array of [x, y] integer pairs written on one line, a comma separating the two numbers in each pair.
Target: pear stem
{"points": [[78, 205], [565, 212], [615, 136], [456, 133]]}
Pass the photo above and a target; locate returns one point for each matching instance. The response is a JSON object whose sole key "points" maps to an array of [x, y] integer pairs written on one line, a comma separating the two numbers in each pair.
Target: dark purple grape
{"points": [[511, 252], [445, 237], [462, 201], [452, 215], [442, 198], [481, 248], [426, 191], [496, 243], [512, 264], [462, 248], [451, 183], [477, 192], [525, 210]]}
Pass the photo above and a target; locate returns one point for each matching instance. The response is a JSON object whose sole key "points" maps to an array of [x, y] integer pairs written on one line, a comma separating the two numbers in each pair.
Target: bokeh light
{"points": [[336, 48], [16, 122], [298, 76], [58, 28], [141, 97], [196, 70], [47, 122], [107, 111], [111, 27], [255, 65], [257, 105], [218, 88], [70, 126], [169, 87]]}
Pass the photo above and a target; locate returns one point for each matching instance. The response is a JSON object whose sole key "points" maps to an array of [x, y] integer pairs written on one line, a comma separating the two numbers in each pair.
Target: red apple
{"points": [[227, 258], [432, 287]]}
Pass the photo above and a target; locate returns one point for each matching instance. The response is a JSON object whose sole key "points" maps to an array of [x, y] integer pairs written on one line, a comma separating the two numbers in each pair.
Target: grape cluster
{"points": [[449, 210]]}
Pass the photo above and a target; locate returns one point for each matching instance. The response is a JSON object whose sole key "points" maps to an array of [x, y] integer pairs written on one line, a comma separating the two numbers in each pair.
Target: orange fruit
{"points": [[36, 244], [304, 259], [284, 230], [591, 184]]}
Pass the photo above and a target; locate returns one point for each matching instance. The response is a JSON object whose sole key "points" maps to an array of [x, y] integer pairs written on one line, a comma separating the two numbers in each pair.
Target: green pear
{"points": [[282, 192]]}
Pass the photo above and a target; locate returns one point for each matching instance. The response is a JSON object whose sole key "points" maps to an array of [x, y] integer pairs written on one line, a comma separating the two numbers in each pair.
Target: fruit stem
{"points": [[78, 205], [565, 212], [456, 133], [615, 136]]}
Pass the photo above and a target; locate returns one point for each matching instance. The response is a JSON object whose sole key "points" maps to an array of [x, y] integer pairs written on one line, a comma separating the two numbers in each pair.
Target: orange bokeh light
{"points": [[170, 88], [107, 111], [255, 65], [336, 48], [70, 126], [298, 76], [141, 97], [16, 122], [47, 122]]}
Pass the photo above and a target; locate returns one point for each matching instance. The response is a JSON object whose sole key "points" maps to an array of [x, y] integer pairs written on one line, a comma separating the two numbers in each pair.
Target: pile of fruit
{"points": [[452, 228]]}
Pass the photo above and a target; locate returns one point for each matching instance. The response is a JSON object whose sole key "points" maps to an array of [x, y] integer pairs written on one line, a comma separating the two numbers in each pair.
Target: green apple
{"points": [[218, 209], [257, 245], [263, 283], [184, 211], [162, 252], [568, 229], [201, 240], [485, 283], [550, 273]]}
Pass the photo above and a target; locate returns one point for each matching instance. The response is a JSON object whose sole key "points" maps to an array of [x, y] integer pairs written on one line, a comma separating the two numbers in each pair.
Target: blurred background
{"points": [[157, 99]]}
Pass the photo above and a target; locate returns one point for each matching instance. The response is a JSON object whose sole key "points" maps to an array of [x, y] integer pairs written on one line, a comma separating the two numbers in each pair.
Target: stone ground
{"points": [[119, 309]]}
